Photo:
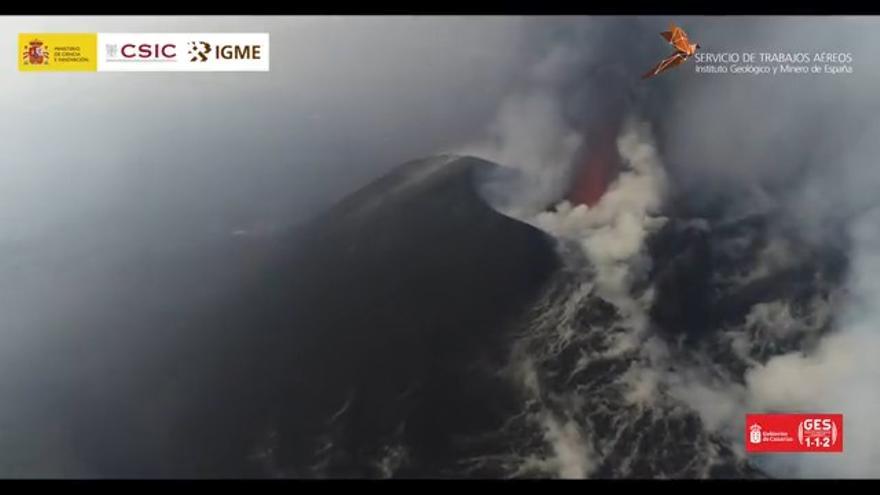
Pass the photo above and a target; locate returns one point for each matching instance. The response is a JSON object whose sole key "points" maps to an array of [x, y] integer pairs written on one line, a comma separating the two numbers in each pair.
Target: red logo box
{"points": [[794, 433]]}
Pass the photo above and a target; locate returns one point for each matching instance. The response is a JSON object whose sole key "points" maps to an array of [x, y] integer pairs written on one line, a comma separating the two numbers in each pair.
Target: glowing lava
{"points": [[599, 167]]}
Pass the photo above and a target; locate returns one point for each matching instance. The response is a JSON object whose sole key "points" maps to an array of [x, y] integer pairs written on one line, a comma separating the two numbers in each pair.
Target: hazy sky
{"points": [[104, 174], [107, 165], [345, 99]]}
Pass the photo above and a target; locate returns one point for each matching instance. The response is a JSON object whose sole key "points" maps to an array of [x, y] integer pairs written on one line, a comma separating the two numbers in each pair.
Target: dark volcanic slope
{"points": [[411, 330], [398, 301], [364, 345]]}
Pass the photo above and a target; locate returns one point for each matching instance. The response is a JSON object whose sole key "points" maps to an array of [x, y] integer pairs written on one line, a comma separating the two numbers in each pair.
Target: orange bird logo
{"points": [[684, 50]]}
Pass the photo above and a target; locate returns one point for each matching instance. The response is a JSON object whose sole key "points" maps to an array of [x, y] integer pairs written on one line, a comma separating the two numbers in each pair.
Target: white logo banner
{"points": [[183, 52]]}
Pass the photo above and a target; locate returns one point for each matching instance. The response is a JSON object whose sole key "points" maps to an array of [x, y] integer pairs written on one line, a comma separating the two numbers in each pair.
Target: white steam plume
{"points": [[611, 236], [613, 232], [530, 137]]}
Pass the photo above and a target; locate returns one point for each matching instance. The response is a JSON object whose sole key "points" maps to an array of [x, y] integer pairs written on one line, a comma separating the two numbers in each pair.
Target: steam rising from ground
{"points": [[816, 154], [841, 375], [530, 137], [808, 164], [611, 236]]}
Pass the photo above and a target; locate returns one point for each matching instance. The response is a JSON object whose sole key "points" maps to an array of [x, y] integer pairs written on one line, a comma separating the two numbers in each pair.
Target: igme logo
{"points": [[239, 52], [202, 51], [199, 50]]}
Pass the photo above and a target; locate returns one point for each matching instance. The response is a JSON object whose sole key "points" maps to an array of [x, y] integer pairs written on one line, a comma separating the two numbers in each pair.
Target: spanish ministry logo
{"points": [[36, 53], [53, 52]]}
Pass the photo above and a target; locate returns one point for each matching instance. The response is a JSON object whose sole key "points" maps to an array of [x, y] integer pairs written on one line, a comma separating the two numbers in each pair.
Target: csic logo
{"points": [[36, 53], [201, 51], [148, 51], [140, 52]]}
